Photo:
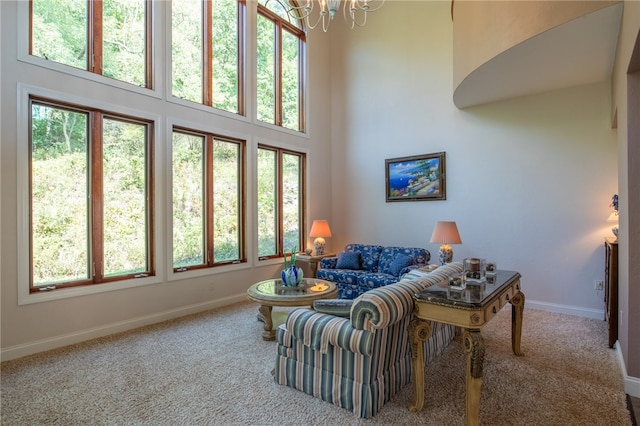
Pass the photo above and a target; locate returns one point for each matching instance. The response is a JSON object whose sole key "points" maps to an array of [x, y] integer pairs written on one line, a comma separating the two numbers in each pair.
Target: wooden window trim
{"points": [[96, 194], [279, 152], [207, 55], [95, 37], [209, 213]]}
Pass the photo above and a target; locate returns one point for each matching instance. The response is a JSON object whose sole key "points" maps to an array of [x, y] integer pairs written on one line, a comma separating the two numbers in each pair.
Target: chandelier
{"points": [[312, 12]]}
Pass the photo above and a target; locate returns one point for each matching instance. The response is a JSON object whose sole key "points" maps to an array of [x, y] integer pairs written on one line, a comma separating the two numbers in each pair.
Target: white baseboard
{"points": [[631, 384], [576, 311], [30, 348]]}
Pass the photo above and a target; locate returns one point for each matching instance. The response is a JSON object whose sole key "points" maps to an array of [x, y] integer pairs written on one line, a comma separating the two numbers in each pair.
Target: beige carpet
{"points": [[214, 369]]}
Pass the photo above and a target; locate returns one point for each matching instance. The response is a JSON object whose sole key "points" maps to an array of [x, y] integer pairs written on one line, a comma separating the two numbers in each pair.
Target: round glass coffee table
{"points": [[272, 293]]}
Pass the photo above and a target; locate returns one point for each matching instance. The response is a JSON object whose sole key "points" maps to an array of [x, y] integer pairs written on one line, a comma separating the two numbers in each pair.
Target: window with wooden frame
{"points": [[281, 47], [281, 195], [208, 178], [107, 37], [207, 46], [91, 196]]}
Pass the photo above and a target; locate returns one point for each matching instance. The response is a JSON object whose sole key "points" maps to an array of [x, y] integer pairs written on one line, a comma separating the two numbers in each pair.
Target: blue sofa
{"points": [[363, 267]]}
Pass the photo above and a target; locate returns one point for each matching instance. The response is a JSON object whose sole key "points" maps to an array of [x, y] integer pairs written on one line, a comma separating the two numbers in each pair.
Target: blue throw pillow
{"points": [[348, 260], [399, 263]]}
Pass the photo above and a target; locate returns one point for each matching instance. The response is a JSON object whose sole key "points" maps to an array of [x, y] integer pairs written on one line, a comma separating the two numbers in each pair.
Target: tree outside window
{"points": [[90, 187], [107, 37], [281, 174], [281, 44], [208, 200], [206, 50]]}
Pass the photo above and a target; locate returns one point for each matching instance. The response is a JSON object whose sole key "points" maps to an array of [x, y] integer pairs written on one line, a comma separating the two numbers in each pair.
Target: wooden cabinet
{"points": [[611, 288]]}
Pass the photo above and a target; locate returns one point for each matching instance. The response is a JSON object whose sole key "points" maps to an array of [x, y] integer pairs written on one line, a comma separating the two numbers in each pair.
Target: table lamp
{"points": [[320, 229], [446, 233]]}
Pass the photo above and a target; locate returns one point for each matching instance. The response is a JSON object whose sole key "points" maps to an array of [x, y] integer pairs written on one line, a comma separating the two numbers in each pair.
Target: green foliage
{"points": [[59, 31], [57, 131], [60, 212], [61, 156], [266, 70], [187, 52], [123, 44], [60, 35], [60, 196]]}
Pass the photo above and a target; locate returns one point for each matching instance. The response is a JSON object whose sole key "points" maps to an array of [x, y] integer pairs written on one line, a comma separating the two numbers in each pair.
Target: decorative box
{"points": [[491, 268], [455, 293], [474, 271], [456, 281]]}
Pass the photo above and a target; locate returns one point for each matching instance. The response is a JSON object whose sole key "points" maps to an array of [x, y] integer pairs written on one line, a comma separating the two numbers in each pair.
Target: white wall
{"points": [[529, 180]]}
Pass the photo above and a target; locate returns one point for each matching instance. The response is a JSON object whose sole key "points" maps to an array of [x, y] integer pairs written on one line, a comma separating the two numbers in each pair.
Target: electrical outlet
{"points": [[598, 285], [212, 286]]}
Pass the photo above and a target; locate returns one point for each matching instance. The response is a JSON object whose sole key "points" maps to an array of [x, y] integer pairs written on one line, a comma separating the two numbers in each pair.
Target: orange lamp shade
{"points": [[320, 228]]}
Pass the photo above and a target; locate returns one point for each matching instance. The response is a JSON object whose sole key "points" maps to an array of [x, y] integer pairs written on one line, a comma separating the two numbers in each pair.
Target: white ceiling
{"points": [[579, 52]]}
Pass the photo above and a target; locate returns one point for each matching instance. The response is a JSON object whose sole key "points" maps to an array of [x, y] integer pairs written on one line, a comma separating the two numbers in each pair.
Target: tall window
{"points": [[208, 200], [206, 50], [281, 174], [108, 37], [281, 46], [91, 196]]}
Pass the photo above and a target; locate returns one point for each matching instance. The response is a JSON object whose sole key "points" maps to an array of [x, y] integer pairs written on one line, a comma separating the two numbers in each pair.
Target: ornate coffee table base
{"points": [[264, 315]]}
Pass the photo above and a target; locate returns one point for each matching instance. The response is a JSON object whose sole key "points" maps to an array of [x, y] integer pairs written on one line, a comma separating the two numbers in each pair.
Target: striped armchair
{"points": [[359, 362]]}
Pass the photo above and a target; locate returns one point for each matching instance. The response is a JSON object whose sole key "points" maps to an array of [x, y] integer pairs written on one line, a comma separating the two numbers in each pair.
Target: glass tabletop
{"points": [[307, 286], [472, 296]]}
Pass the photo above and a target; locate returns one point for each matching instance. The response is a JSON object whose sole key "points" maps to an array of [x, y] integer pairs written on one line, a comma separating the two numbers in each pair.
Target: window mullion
{"points": [[302, 199], [280, 202], [278, 73], [302, 124], [242, 57], [148, 33], [95, 36], [150, 188], [209, 185], [97, 200], [207, 51]]}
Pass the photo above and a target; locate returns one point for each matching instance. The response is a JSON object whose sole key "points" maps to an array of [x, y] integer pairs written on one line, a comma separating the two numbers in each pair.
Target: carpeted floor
{"points": [[214, 369]]}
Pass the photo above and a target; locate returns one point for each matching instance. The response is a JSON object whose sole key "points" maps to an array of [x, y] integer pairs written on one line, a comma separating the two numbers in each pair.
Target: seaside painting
{"points": [[416, 178]]}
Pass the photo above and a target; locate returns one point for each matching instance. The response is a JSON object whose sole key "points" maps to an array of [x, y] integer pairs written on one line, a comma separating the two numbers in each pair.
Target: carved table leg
{"points": [[474, 345], [517, 308], [419, 332], [264, 315]]}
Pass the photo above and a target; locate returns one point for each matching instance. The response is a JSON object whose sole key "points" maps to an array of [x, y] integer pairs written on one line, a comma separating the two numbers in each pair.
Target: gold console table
{"points": [[470, 309]]}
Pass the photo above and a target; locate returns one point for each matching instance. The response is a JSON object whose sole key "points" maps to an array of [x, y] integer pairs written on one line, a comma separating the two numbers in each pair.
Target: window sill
{"points": [[26, 298]]}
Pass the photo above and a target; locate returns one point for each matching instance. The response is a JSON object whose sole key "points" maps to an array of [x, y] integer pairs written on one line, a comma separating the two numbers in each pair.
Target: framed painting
{"points": [[416, 178]]}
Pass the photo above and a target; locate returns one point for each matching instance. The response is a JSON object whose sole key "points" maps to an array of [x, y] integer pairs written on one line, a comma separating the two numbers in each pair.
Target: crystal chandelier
{"points": [[315, 11]]}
